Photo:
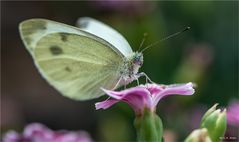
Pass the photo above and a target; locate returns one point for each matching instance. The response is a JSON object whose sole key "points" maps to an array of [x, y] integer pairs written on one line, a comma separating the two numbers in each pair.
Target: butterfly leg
{"points": [[117, 84], [137, 79], [145, 75]]}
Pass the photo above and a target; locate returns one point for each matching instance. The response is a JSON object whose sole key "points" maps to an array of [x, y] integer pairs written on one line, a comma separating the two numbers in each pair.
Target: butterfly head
{"points": [[138, 59]]}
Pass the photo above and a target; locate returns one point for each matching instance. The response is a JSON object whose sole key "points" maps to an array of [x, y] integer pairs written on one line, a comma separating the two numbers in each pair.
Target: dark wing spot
{"points": [[56, 50], [63, 37], [68, 69]]}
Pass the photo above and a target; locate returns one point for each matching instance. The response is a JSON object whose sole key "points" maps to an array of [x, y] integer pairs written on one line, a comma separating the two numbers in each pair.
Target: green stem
{"points": [[149, 127]]}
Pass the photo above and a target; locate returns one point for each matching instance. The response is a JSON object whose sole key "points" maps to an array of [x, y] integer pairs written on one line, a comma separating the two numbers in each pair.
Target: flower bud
{"points": [[199, 135], [214, 120]]}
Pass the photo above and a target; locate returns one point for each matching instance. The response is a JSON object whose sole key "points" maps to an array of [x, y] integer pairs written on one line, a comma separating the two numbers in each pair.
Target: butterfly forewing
{"points": [[33, 30]]}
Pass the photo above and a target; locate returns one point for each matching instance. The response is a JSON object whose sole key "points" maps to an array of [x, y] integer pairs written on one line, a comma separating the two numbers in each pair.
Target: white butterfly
{"points": [[79, 61]]}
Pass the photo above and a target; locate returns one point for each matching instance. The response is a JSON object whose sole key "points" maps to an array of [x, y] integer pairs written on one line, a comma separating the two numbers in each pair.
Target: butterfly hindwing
{"points": [[78, 67]]}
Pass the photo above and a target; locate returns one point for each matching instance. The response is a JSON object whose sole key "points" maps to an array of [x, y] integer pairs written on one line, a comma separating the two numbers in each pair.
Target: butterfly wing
{"points": [[33, 30], [105, 32], [76, 63], [77, 68]]}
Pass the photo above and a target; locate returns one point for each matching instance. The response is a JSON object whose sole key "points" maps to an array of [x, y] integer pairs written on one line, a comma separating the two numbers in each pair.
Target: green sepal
{"points": [[209, 111], [149, 127]]}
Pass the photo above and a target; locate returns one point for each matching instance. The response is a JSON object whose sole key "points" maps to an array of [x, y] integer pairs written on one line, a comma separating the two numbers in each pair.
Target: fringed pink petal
{"points": [[114, 94], [144, 96], [105, 104], [179, 89], [154, 89], [137, 97]]}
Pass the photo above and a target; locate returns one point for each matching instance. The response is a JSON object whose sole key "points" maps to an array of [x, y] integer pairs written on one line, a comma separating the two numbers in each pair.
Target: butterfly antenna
{"points": [[166, 38], [143, 40]]}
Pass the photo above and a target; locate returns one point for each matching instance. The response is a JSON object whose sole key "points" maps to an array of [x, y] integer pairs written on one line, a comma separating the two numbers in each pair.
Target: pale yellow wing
{"points": [[33, 30], [77, 66], [105, 32]]}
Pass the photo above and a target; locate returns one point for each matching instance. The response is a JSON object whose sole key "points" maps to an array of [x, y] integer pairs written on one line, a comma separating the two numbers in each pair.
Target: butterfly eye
{"points": [[138, 59]]}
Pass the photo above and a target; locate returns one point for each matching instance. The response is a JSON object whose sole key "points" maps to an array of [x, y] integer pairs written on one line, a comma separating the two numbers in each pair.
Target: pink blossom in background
{"points": [[233, 113], [36, 132], [144, 96]]}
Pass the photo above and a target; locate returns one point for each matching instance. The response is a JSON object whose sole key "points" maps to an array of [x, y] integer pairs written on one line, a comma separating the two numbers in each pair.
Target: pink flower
{"points": [[144, 96], [233, 113], [36, 132]]}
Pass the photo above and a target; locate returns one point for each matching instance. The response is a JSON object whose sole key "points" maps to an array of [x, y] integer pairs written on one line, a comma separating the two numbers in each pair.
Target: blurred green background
{"points": [[206, 55]]}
